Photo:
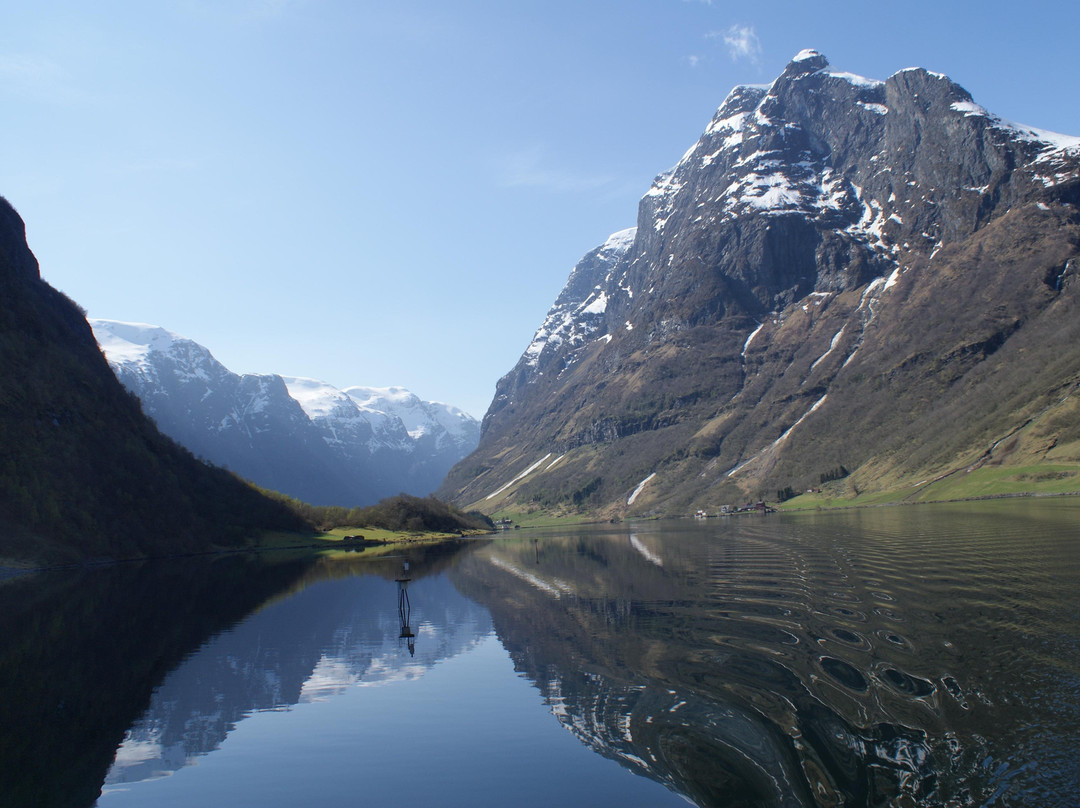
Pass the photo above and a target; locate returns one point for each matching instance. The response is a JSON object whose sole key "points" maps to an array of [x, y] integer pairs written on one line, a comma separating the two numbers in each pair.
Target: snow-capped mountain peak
{"points": [[826, 229], [297, 435], [131, 343], [319, 399], [419, 417]]}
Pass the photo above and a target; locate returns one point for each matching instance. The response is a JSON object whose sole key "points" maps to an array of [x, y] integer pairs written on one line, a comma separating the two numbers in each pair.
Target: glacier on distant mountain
{"points": [[300, 436]]}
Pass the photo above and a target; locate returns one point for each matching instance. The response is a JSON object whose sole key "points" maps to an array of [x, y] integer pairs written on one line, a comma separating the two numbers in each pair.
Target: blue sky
{"points": [[394, 193]]}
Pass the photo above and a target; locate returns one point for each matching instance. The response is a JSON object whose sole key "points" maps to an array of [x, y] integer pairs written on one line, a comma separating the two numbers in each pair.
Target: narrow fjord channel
{"points": [[896, 656]]}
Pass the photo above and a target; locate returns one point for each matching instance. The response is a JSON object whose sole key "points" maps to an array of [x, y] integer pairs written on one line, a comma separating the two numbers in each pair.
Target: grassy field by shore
{"points": [[987, 482], [966, 484], [374, 540]]}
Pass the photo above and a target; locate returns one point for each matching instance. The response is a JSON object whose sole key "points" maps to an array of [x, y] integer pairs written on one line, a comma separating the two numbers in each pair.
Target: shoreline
{"points": [[851, 504], [11, 569], [14, 568], [837, 505]]}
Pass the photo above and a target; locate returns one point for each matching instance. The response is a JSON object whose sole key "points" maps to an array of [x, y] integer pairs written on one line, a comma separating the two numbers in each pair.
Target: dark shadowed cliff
{"points": [[84, 474]]}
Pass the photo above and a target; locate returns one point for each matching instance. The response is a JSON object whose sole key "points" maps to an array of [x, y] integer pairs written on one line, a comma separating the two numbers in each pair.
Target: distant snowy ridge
{"points": [[131, 343], [420, 417], [297, 435], [131, 346]]}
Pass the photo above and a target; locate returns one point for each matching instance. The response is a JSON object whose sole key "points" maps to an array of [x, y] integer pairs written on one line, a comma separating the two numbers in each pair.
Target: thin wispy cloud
{"points": [[530, 168], [157, 165], [267, 9], [24, 67], [742, 42], [38, 77], [242, 11]]}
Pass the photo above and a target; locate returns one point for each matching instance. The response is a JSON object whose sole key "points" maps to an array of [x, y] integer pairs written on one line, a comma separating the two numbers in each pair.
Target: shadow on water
{"points": [[82, 653], [900, 659], [310, 646]]}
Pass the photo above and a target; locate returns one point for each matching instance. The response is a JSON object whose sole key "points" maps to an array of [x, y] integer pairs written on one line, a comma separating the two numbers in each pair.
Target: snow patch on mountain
{"points": [[640, 487], [342, 421], [419, 417], [131, 343], [851, 78], [319, 399], [832, 346], [750, 339], [133, 346], [1055, 163], [620, 241], [521, 476], [772, 447], [579, 312]]}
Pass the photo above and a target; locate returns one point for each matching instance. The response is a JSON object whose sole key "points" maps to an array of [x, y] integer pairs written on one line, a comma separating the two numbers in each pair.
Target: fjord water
{"points": [[900, 656]]}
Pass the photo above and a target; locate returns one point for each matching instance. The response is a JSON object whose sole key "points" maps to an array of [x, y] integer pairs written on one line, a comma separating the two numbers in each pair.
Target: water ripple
{"points": [[910, 656]]}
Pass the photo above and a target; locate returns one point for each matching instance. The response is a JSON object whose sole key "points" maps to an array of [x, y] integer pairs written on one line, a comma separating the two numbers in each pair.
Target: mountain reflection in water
{"points": [[81, 651], [909, 656], [309, 647], [922, 656]]}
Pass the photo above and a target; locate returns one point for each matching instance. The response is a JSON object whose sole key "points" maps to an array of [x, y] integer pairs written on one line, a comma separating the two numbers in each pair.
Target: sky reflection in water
{"points": [[923, 656], [318, 697]]}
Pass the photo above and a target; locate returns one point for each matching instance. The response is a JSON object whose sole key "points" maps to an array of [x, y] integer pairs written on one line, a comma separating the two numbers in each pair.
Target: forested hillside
{"points": [[83, 473]]}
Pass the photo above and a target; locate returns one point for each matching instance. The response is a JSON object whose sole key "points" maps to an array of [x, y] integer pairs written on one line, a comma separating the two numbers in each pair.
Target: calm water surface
{"points": [[904, 656]]}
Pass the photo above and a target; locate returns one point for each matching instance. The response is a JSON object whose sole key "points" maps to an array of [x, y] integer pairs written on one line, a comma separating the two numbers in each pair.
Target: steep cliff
{"points": [[879, 275], [84, 474]]}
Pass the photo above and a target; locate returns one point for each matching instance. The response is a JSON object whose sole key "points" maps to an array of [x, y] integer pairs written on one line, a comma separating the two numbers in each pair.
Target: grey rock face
{"points": [[760, 260]]}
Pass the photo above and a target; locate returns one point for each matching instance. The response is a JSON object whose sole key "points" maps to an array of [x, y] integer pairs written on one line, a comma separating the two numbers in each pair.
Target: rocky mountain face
{"points": [[298, 436], [84, 474], [879, 275], [743, 666]]}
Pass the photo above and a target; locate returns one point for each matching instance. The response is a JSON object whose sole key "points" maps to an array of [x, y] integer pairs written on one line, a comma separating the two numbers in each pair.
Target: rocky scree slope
{"points": [[841, 271]]}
